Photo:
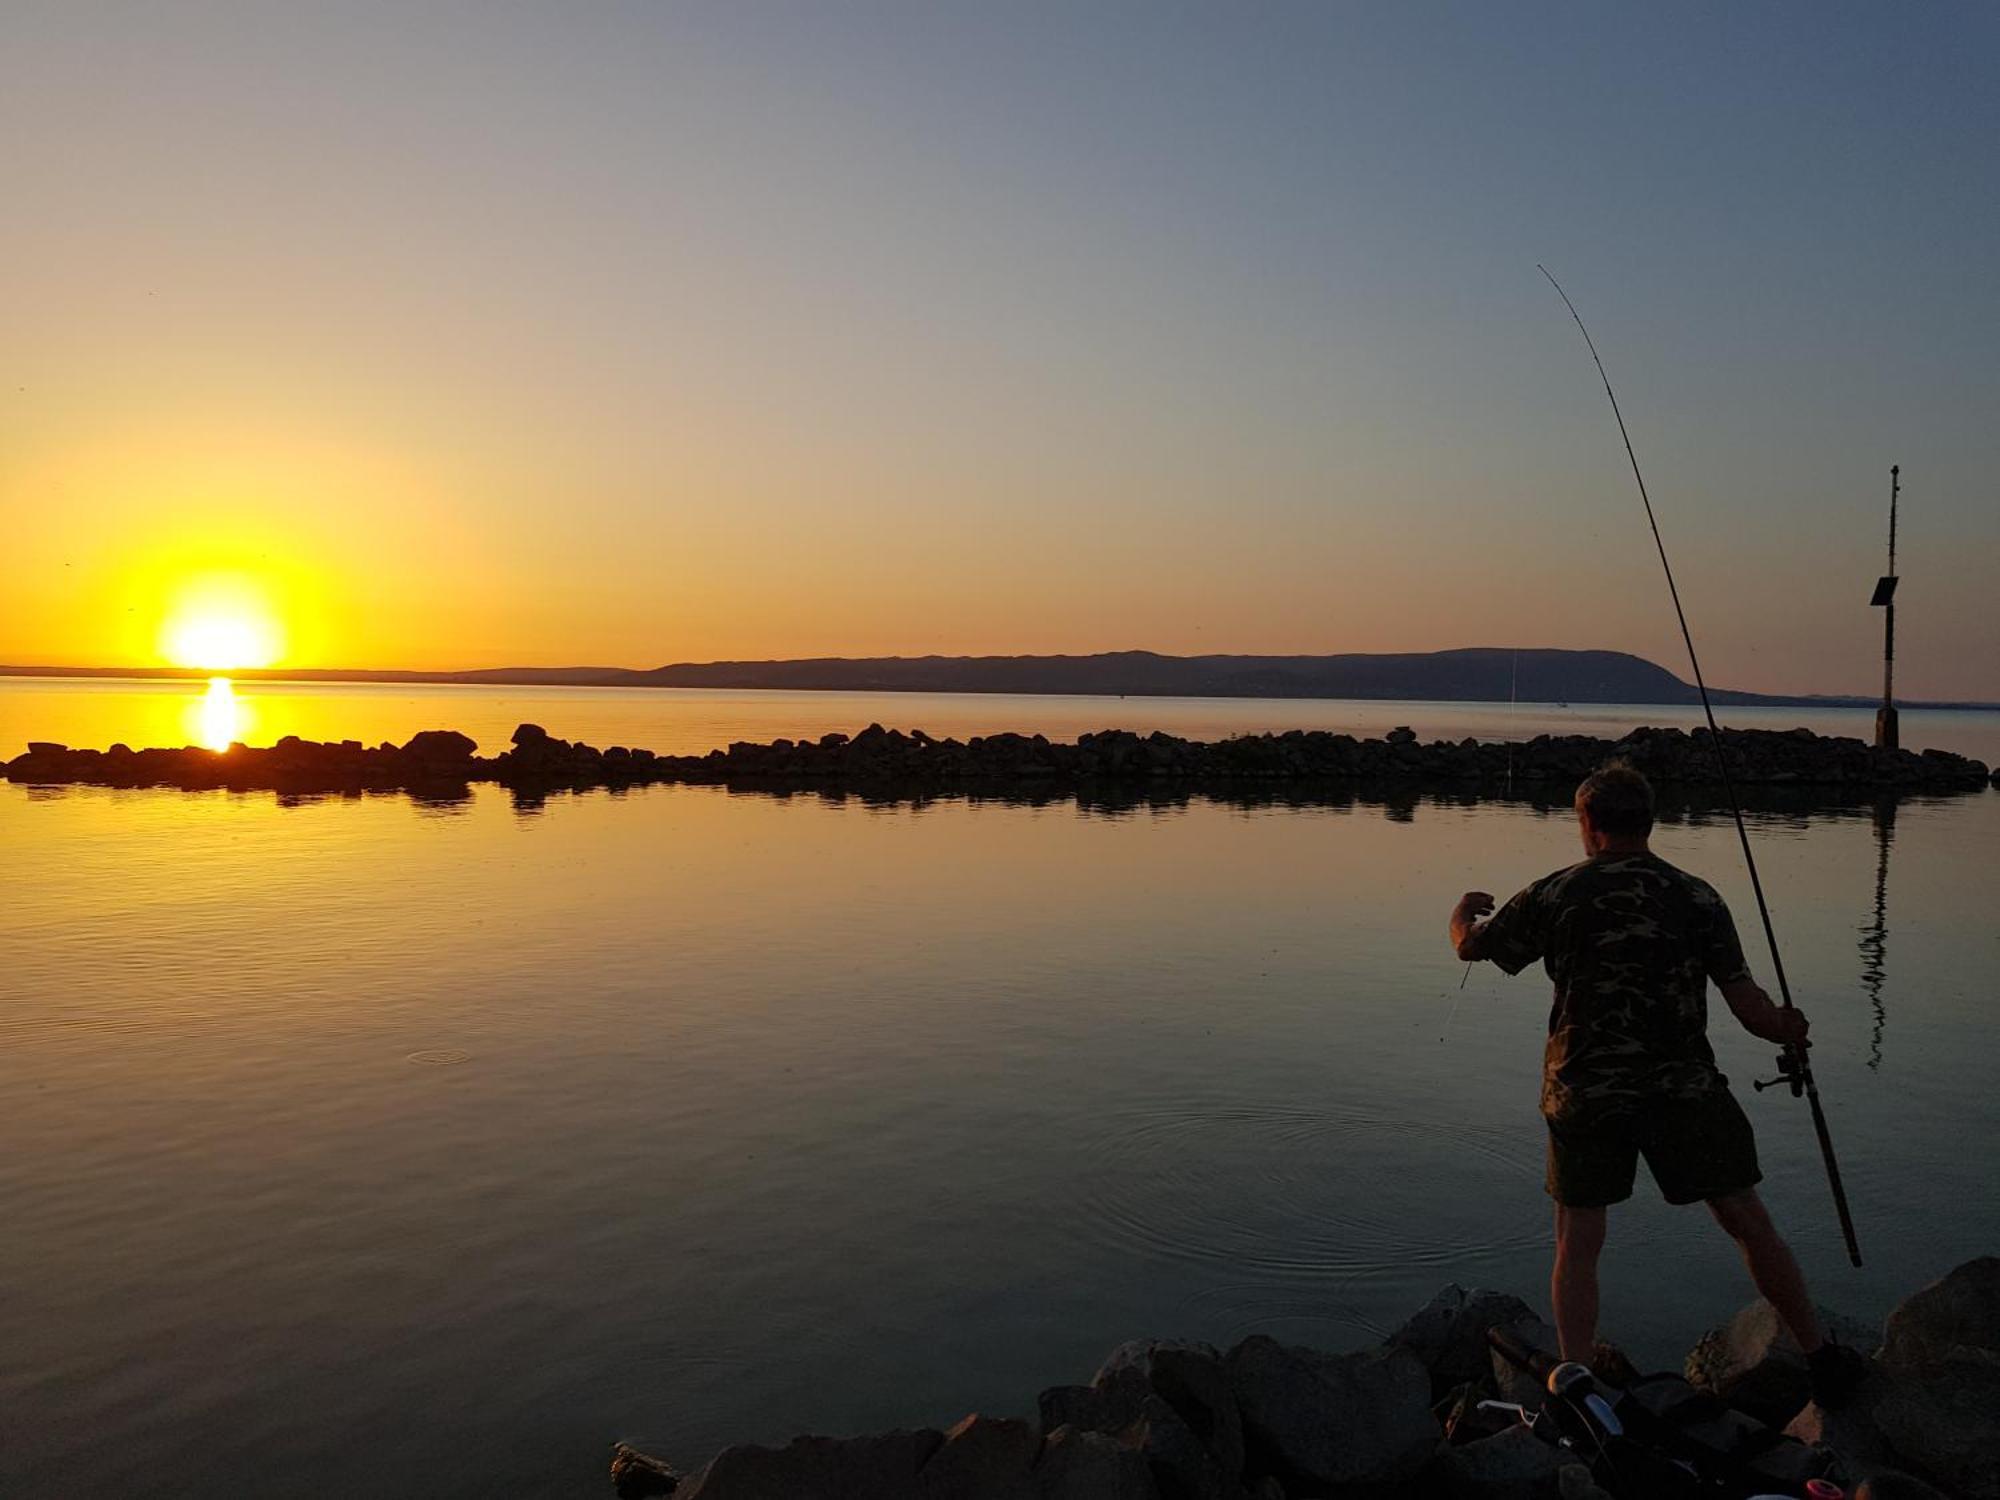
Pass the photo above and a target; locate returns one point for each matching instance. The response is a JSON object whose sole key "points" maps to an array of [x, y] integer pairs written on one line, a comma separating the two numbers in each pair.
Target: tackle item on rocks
{"points": [[1659, 1438]]}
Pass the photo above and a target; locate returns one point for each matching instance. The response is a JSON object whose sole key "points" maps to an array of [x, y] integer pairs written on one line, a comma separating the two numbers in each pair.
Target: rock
{"points": [[1122, 1403], [1191, 1379], [983, 1458], [1078, 1465], [1573, 1482], [439, 745], [1246, 765], [1850, 1436], [1891, 1485], [1956, 1316], [1088, 1409], [635, 1475], [1512, 1465], [882, 1466], [1946, 1424], [1516, 1384], [1181, 1466], [1754, 1363], [1939, 1403], [1613, 1366], [1449, 1333], [1332, 1419]]}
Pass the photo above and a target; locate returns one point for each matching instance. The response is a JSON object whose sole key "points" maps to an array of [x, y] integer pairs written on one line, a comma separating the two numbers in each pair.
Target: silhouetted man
{"points": [[1631, 943]]}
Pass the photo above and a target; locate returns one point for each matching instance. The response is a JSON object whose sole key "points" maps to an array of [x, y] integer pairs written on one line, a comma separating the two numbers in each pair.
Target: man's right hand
{"points": [[1471, 907]]}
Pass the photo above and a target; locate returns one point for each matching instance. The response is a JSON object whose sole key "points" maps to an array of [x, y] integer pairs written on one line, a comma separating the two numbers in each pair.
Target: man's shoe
{"points": [[1836, 1372]]}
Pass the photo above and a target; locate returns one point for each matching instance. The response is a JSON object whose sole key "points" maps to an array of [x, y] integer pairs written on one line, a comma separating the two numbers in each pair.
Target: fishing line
{"points": [[1513, 705], [1793, 1065]]}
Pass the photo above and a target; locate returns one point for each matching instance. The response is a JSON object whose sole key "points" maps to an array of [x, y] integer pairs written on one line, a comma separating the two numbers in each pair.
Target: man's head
{"points": [[1614, 808]]}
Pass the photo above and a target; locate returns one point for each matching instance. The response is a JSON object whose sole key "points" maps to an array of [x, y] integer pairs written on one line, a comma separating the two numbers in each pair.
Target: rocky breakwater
{"points": [[1761, 758], [1271, 1421], [436, 759], [440, 759]]}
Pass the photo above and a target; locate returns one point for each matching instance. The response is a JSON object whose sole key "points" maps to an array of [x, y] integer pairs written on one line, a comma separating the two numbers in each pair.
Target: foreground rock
{"points": [[884, 1465], [1449, 1334], [1754, 1365], [1331, 1420], [539, 762], [1939, 1406], [1166, 1420]]}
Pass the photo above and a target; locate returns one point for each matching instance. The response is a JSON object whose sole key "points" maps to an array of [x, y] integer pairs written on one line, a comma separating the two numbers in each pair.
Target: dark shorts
{"points": [[1696, 1150]]}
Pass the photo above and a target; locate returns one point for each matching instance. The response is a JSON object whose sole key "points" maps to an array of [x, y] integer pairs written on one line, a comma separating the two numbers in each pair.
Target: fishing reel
{"points": [[1792, 1072]]}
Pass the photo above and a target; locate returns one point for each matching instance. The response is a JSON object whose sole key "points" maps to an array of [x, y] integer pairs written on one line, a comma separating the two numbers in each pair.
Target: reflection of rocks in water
{"points": [[1794, 771]]}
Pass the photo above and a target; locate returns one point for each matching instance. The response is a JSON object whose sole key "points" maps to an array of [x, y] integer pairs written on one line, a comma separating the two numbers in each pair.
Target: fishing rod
{"points": [[1793, 1068]]}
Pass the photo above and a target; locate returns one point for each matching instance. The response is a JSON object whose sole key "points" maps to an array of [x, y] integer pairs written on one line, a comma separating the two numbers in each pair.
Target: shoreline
{"points": [[624, 678], [1166, 1419], [437, 762]]}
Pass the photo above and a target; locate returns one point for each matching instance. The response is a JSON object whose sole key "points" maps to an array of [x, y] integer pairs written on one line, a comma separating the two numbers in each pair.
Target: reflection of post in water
{"points": [[1875, 934]]}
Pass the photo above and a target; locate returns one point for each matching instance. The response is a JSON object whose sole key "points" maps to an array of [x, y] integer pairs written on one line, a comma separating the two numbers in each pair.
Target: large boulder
{"points": [[1332, 1420], [440, 746], [1940, 1403], [1511, 1465], [1945, 1423], [1124, 1403], [1849, 1435], [1449, 1333], [1191, 1379], [1955, 1317], [1755, 1364], [881, 1466], [983, 1458], [1079, 1465], [1514, 1383], [1573, 1482], [636, 1475], [1889, 1485]]}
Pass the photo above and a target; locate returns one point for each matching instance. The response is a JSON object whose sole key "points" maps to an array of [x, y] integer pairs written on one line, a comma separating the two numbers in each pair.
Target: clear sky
{"points": [[632, 333]]}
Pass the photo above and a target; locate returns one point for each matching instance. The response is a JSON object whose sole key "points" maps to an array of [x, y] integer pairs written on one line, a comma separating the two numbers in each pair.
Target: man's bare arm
{"points": [[1465, 923], [1760, 1017]]}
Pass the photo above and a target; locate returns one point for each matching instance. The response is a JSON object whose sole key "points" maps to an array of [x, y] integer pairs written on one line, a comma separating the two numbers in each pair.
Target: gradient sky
{"points": [[633, 333]]}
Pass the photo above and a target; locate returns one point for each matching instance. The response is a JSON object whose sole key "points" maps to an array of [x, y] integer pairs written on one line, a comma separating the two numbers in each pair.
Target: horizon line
{"points": [[534, 676]]}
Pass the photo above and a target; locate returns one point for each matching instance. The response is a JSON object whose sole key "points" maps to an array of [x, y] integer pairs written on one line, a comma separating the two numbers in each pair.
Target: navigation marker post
{"points": [[1793, 1067], [1887, 732]]}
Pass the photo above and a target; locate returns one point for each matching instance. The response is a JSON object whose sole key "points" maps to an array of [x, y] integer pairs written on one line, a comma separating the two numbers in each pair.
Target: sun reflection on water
{"points": [[219, 718]]}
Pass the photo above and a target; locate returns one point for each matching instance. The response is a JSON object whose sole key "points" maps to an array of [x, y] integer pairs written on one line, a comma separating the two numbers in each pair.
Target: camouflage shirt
{"points": [[1630, 942]]}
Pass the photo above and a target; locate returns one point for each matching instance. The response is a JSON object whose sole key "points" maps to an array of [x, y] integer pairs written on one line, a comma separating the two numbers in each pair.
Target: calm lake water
{"points": [[362, 1147]]}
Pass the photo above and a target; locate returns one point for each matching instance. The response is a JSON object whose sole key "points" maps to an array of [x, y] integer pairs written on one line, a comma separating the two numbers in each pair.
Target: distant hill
{"points": [[1490, 674]]}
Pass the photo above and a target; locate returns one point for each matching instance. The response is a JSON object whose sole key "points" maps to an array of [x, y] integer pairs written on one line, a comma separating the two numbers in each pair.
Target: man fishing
{"points": [[1631, 943]]}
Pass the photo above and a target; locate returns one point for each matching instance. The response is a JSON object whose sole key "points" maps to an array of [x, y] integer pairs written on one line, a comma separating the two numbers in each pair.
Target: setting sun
{"points": [[220, 625]]}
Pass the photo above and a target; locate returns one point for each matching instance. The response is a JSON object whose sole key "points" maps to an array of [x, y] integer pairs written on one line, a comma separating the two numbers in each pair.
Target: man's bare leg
{"points": [[1573, 1286], [1777, 1275]]}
